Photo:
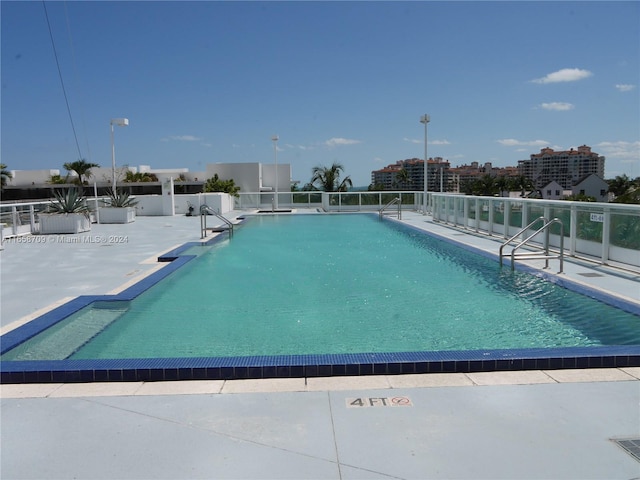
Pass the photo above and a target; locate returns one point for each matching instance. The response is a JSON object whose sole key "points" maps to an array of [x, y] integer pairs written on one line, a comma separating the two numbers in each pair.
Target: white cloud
{"points": [[625, 87], [512, 142], [564, 75], [627, 152], [182, 138], [299, 147], [432, 142], [336, 141], [560, 106]]}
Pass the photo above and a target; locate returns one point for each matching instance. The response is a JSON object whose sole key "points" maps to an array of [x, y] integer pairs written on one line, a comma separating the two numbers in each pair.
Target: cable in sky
{"points": [[55, 54]]}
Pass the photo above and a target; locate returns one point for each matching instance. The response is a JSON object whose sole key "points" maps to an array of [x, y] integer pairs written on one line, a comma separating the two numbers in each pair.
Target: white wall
{"points": [[252, 177], [284, 177], [24, 178], [245, 175], [152, 205]]}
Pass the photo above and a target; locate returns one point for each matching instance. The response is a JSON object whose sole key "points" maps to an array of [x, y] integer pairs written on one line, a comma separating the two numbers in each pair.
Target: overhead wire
{"points": [[75, 71], [64, 91]]}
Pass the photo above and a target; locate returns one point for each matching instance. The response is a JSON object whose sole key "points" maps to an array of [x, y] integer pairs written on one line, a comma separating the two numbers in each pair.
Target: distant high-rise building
{"points": [[565, 167], [391, 177]]}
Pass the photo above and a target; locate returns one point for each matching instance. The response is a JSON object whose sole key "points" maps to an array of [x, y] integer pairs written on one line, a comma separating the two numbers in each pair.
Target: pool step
{"points": [[65, 338]]}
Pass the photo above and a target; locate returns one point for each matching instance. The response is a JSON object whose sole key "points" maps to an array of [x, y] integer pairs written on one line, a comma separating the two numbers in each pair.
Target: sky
{"points": [[210, 82]]}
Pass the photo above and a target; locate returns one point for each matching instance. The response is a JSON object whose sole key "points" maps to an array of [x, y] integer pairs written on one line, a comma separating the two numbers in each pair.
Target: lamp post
{"points": [[425, 119], [275, 156], [121, 122]]}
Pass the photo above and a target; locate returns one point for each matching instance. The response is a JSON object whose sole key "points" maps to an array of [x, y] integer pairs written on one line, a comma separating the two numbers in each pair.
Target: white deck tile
{"points": [[29, 390], [97, 389], [635, 371], [182, 387], [590, 375], [315, 384], [429, 380], [269, 385], [525, 377]]}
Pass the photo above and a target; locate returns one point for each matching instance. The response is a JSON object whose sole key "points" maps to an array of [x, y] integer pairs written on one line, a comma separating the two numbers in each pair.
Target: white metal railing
{"points": [[605, 232], [331, 201]]}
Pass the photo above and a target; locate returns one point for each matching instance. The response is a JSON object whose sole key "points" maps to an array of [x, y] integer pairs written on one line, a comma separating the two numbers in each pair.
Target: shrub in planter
{"points": [[68, 213], [119, 208]]}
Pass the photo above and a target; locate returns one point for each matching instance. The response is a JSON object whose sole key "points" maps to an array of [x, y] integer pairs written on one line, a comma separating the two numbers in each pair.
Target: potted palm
{"points": [[68, 213], [119, 208]]}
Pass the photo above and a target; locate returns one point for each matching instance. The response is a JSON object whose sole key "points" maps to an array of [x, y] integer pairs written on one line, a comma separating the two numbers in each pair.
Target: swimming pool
{"points": [[275, 301]]}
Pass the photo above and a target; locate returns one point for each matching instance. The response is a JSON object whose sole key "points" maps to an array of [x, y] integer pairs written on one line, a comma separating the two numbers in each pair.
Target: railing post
{"points": [[477, 214], [507, 217], [465, 211], [606, 227], [14, 220], [573, 229], [491, 210], [32, 219]]}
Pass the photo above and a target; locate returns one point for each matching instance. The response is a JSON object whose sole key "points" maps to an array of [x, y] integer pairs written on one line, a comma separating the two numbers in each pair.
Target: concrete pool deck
{"points": [[529, 424]]}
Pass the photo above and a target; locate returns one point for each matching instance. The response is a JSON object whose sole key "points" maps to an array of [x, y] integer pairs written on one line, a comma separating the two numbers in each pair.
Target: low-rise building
{"points": [[592, 186]]}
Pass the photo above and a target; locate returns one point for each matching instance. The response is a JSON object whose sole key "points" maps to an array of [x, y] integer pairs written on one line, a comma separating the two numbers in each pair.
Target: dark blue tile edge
{"points": [[302, 366]]}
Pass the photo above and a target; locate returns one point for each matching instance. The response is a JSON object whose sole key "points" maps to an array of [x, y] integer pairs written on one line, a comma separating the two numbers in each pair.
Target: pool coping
{"points": [[298, 366]]}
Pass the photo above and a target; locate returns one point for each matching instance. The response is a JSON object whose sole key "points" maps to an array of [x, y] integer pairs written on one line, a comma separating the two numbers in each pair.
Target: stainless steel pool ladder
{"points": [[536, 252], [395, 201], [206, 210]]}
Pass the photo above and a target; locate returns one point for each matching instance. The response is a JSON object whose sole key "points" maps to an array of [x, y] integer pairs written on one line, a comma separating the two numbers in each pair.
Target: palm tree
{"points": [[4, 174], [523, 184], [81, 167], [402, 178], [328, 179], [620, 185], [140, 177], [486, 185], [503, 184]]}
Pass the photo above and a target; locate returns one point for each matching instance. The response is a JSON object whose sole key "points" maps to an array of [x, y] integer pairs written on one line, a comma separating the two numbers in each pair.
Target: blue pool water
{"points": [[318, 284]]}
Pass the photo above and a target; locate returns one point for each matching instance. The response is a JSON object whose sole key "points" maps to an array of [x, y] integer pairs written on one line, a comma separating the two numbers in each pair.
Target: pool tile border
{"points": [[290, 366], [303, 366]]}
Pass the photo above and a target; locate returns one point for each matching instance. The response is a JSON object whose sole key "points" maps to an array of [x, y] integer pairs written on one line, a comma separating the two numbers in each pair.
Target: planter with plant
{"points": [[68, 213], [119, 208]]}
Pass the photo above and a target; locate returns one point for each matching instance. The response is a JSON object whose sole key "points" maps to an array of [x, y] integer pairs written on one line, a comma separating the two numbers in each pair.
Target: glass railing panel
{"points": [[564, 215], [370, 199], [589, 224], [625, 230], [484, 210], [408, 198], [498, 212], [515, 216]]}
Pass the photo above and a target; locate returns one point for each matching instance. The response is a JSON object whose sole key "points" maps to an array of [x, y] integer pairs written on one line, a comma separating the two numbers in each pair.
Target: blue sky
{"points": [[206, 82]]}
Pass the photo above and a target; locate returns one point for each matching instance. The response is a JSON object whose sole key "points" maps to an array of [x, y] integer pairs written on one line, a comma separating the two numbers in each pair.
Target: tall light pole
{"points": [[425, 119], [121, 122], [275, 156]]}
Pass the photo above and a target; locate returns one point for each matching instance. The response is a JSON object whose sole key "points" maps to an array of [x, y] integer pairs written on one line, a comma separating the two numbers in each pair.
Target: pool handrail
{"points": [[207, 210], [545, 255]]}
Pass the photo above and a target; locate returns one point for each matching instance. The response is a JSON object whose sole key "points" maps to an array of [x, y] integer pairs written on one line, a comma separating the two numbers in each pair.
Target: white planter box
{"points": [[64, 223], [116, 215]]}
